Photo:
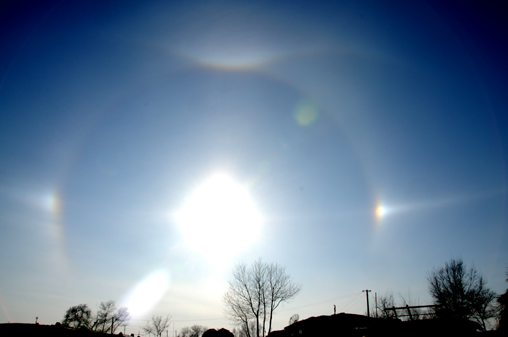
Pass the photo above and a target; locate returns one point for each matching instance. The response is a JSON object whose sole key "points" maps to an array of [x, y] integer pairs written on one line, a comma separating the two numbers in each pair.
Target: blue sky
{"points": [[116, 116]]}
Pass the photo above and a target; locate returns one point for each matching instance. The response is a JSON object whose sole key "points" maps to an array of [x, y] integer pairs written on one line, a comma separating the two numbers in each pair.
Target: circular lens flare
{"points": [[306, 112]]}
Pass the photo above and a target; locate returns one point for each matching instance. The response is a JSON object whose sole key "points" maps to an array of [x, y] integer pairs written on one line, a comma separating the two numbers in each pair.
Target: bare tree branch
{"points": [[281, 288], [255, 293], [193, 331], [157, 325], [461, 293]]}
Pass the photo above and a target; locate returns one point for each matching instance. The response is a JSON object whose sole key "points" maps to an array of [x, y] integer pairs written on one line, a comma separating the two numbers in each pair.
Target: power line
{"points": [[182, 320], [198, 320], [320, 302], [353, 302], [351, 299]]}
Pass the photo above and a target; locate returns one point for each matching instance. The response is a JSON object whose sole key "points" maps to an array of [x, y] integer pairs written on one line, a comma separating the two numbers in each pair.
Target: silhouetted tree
{"points": [[384, 303], [106, 319], [224, 333], [79, 316], [242, 331], [121, 318], [237, 332], [220, 333], [387, 302], [210, 333], [103, 318], [280, 289], [255, 293], [502, 301], [461, 293], [157, 325], [193, 331]]}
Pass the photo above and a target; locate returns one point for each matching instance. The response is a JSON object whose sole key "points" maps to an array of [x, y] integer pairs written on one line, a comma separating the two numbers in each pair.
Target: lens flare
{"points": [[4, 307], [147, 294], [306, 112]]}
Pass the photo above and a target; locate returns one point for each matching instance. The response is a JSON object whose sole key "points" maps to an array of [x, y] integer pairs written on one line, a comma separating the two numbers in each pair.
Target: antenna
{"points": [[294, 319]]}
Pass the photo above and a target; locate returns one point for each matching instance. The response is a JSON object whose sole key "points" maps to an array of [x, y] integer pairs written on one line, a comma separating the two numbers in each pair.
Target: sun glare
{"points": [[219, 219], [380, 211]]}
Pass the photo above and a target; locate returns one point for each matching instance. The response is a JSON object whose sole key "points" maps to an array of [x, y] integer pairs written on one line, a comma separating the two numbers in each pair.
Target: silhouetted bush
{"points": [[221, 333]]}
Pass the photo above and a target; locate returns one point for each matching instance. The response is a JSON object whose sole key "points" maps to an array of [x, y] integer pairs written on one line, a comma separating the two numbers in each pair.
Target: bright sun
{"points": [[219, 219], [380, 211]]}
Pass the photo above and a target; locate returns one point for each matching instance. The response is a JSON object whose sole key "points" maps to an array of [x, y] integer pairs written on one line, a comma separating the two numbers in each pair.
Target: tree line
{"points": [[256, 291], [458, 292], [107, 318]]}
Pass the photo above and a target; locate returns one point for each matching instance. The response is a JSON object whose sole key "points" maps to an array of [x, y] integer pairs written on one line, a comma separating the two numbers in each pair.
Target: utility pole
{"points": [[367, 291], [376, 304]]}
